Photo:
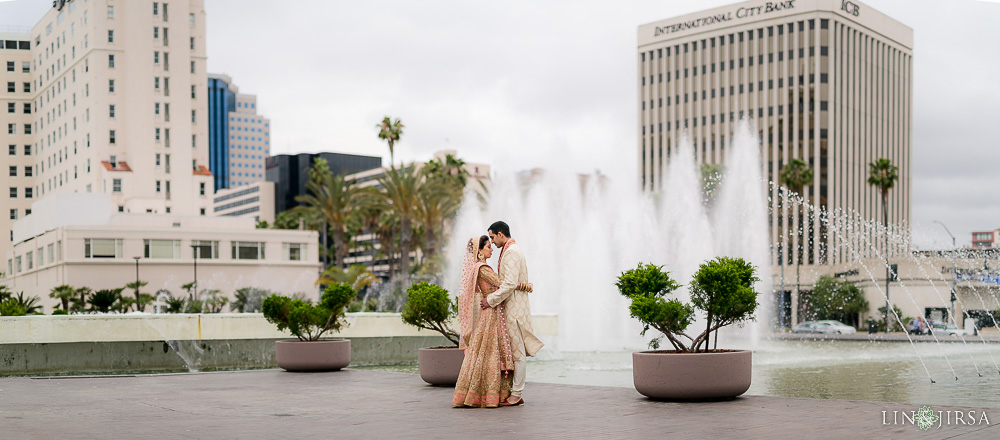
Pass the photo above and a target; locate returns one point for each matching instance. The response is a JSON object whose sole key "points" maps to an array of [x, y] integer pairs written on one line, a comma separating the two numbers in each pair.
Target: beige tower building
{"points": [[825, 81], [117, 106], [17, 179]]}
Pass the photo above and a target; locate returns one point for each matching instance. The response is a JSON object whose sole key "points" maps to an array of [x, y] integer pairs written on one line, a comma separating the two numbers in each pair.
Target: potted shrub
{"points": [[428, 307], [723, 290], [308, 322]]}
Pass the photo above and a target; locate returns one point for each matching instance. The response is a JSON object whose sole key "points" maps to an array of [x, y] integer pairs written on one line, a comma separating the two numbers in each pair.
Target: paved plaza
{"points": [[349, 404]]}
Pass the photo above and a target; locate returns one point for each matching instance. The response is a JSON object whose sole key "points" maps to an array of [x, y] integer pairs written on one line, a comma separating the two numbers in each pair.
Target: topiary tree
{"points": [[306, 321], [429, 307], [722, 289]]}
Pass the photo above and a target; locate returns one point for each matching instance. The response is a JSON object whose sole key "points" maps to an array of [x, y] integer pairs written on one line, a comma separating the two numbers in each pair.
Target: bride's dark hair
{"points": [[484, 241]]}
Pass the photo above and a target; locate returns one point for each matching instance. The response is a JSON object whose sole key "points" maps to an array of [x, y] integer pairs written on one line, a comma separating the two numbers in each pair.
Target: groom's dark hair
{"points": [[500, 228]]}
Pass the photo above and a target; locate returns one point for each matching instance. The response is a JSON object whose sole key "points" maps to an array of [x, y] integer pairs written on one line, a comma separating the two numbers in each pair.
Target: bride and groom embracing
{"points": [[495, 319]]}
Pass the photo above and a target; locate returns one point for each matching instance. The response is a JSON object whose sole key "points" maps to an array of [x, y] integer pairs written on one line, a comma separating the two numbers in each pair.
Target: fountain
{"points": [[579, 232]]}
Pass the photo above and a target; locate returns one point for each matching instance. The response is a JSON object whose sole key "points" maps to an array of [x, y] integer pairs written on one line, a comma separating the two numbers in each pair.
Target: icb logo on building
{"points": [[926, 418], [850, 7]]}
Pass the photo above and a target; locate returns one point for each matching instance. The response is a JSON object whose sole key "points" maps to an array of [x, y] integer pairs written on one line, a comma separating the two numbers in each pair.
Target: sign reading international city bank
{"points": [[741, 13]]}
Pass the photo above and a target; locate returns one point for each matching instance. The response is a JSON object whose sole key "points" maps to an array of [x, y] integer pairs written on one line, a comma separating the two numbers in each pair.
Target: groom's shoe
{"points": [[520, 401]]}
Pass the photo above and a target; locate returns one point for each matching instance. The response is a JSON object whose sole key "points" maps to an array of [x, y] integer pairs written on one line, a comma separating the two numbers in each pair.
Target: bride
{"points": [[487, 371]]}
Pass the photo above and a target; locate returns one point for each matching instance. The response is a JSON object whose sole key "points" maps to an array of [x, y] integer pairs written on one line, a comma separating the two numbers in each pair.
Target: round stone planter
{"points": [[440, 365], [324, 355], [691, 376]]}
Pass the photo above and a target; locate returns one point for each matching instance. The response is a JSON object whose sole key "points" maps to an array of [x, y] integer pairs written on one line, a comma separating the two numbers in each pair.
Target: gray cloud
{"points": [[524, 84]]}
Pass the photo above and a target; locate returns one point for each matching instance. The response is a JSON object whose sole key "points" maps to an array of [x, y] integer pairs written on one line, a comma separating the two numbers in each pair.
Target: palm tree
{"points": [[882, 174], [390, 132], [63, 293], [402, 190], [103, 300], [334, 198], [140, 299], [80, 298], [796, 175]]}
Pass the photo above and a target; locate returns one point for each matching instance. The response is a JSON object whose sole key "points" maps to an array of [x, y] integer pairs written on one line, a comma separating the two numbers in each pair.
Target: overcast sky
{"points": [[525, 84]]}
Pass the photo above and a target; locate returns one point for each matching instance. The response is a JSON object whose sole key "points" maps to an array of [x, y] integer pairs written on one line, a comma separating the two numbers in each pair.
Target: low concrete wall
{"points": [[104, 344]]}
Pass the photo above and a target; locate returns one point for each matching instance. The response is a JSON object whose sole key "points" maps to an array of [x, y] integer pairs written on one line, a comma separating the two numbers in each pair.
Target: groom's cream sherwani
{"points": [[514, 270]]}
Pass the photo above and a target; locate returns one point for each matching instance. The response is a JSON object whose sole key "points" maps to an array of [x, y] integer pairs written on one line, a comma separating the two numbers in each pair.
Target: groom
{"points": [[513, 270]]}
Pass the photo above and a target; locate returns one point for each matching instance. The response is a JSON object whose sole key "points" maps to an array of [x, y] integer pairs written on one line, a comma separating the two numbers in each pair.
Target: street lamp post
{"points": [[136, 273], [194, 288], [954, 274]]}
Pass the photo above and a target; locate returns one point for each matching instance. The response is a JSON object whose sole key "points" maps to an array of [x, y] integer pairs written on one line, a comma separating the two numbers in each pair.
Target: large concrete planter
{"points": [[440, 365], [324, 355], [691, 376]]}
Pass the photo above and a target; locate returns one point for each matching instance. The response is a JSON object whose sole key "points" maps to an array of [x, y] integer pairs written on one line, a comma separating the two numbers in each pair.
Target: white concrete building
{"points": [[254, 200], [78, 239], [117, 106]]}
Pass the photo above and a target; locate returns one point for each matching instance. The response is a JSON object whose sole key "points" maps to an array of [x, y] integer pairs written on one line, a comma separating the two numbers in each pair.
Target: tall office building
{"points": [[825, 81], [115, 92], [290, 173], [17, 177], [239, 138]]}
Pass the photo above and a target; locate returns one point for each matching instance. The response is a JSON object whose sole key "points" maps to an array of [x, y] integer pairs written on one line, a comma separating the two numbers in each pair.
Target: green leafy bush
{"points": [[59, 312], [11, 307], [429, 307], [103, 300], [722, 289], [306, 321]]}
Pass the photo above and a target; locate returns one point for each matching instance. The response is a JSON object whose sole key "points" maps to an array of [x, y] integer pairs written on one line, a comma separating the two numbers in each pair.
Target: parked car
{"points": [[949, 329], [826, 327]]}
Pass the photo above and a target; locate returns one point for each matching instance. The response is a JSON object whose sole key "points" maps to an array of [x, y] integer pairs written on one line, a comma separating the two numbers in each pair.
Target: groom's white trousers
{"points": [[519, 372]]}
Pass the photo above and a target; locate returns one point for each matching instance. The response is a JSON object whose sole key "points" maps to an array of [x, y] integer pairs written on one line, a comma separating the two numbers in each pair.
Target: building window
{"points": [[29, 192], [111, 136], [111, 61], [116, 185], [192, 91], [13, 214], [201, 188], [156, 32], [111, 11], [10, 66], [102, 248], [206, 249], [192, 43], [27, 150], [162, 249], [156, 135], [156, 108], [111, 110], [29, 171], [111, 36], [192, 67], [13, 171], [156, 83], [51, 250], [156, 57], [248, 250], [111, 86], [12, 150], [27, 108], [193, 118], [294, 251], [191, 20], [25, 67], [11, 107], [13, 192], [27, 128], [30, 257], [201, 211]]}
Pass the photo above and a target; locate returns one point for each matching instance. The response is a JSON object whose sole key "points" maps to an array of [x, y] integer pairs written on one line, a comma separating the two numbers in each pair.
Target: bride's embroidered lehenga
{"points": [[486, 377]]}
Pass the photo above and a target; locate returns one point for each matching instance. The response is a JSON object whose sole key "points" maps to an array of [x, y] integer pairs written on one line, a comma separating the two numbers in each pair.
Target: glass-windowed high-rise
{"points": [[239, 138], [825, 81]]}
